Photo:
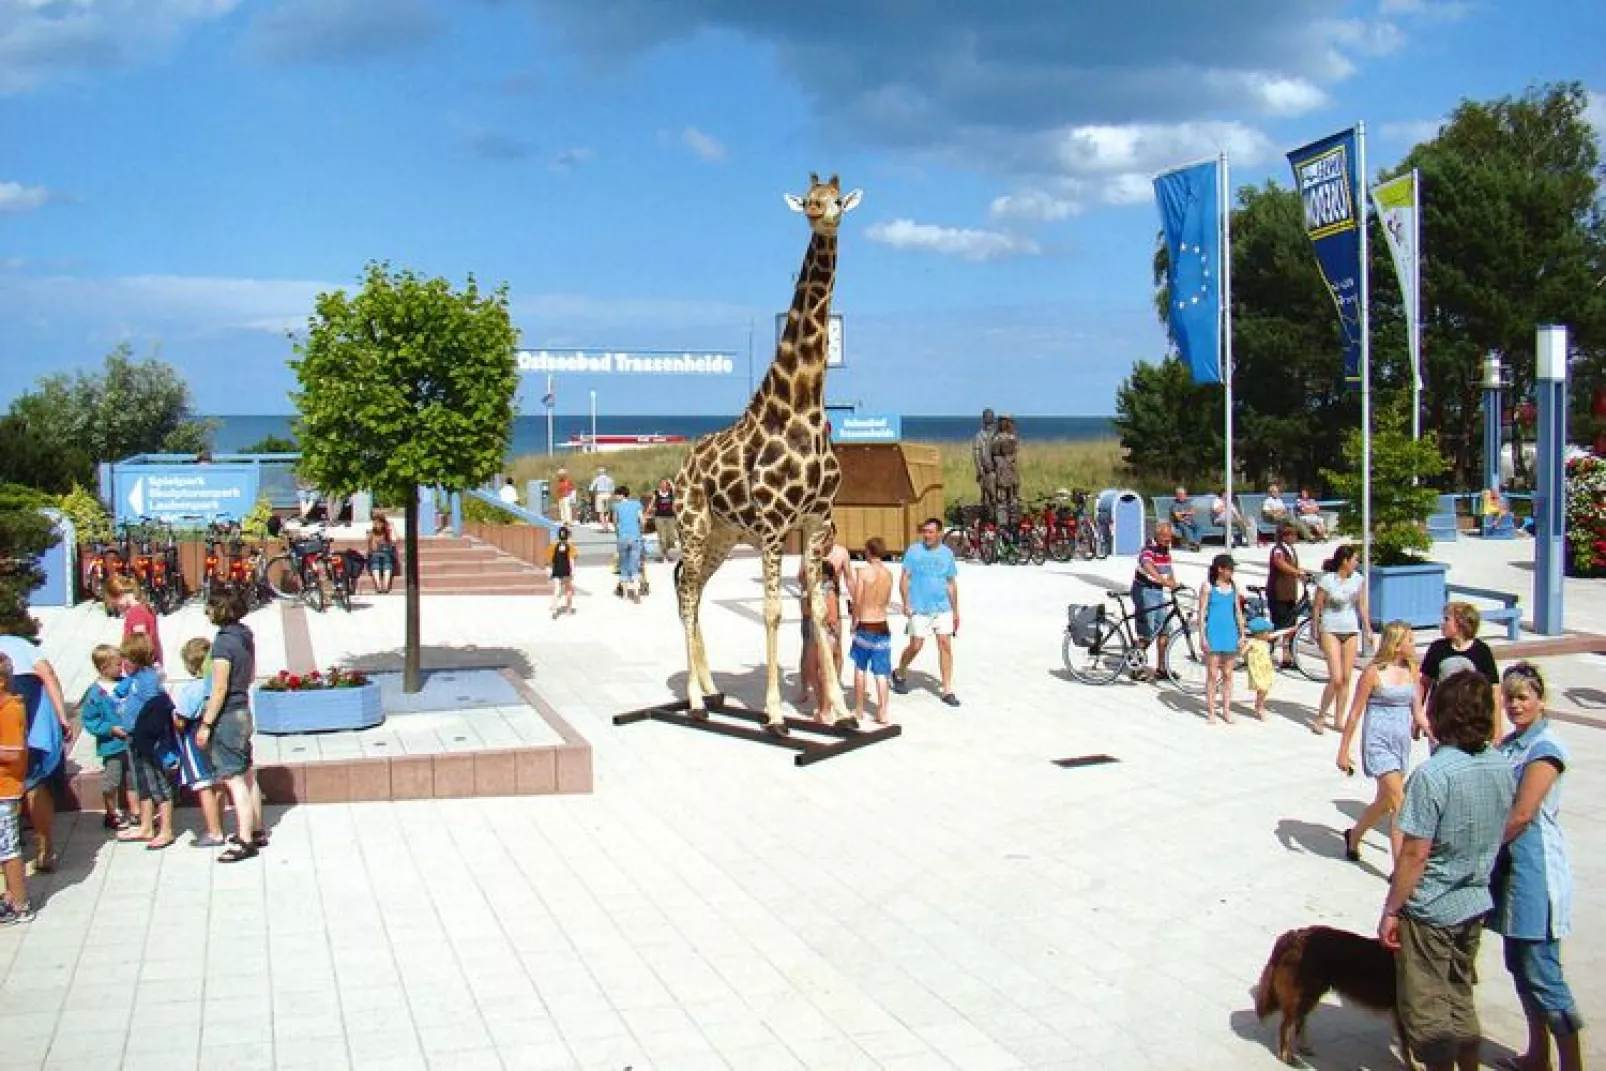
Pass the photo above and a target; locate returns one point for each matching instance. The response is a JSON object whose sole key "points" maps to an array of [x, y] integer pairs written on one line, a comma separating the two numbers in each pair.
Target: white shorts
{"points": [[922, 625]]}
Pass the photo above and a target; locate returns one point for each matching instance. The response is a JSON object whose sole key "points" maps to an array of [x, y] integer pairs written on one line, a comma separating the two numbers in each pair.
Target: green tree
{"points": [[1514, 236], [128, 407], [25, 534], [408, 383], [1170, 426], [34, 454], [1402, 497], [272, 444]]}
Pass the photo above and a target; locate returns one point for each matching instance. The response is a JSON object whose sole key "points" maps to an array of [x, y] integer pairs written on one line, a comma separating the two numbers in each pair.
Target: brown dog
{"points": [[1306, 963]]}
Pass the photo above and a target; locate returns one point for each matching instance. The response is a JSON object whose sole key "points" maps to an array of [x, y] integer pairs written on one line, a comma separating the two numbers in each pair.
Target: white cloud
{"points": [[1109, 150], [1128, 189], [1273, 94], [951, 241], [42, 40], [704, 145], [1410, 131], [1036, 205], [187, 305], [15, 197]]}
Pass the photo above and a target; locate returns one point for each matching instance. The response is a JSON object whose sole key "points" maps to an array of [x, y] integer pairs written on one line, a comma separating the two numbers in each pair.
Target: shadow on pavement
{"points": [[437, 657], [1338, 1037]]}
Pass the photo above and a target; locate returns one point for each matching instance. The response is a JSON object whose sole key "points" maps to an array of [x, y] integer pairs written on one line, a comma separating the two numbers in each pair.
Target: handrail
{"points": [[526, 515]]}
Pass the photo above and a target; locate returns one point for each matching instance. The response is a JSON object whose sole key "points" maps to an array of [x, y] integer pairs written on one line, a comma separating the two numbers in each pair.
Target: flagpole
{"points": [[549, 406], [1366, 358], [1416, 306], [1224, 277]]}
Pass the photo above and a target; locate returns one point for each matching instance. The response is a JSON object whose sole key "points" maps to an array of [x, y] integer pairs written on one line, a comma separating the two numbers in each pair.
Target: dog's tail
{"points": [[1265, 992]]}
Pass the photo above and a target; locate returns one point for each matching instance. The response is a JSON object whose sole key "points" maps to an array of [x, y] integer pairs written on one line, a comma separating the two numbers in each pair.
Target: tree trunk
{"points": [[412, 671]]}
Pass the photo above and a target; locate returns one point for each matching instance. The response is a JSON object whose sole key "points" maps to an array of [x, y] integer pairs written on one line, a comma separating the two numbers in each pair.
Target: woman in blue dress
{"points": [[1386, 710], [1222, 633], [1532, 881]]}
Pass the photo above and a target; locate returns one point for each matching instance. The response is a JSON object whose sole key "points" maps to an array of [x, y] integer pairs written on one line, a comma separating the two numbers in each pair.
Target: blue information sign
{"points": [[181, 493], [867, 428]]}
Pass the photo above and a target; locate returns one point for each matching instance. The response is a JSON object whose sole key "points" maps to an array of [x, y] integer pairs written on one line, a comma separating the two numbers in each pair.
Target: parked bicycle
{"points": [[295, 573], [972, 535]]}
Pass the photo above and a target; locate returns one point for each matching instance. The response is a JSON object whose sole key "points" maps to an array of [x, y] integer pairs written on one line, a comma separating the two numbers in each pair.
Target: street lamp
{"points": [[593, 422]]}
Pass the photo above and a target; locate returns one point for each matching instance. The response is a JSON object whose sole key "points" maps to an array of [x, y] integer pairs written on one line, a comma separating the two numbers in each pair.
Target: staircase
{"points": [[449, 565]]}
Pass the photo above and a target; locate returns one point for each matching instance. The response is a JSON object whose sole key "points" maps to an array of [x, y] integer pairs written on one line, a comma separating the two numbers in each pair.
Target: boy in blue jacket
{"points": [[104, 721], [150, 733]]}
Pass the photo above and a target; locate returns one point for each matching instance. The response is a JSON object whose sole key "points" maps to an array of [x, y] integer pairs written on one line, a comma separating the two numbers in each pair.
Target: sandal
{"points": [[1351, 852], [238, 852], [158, 845]]}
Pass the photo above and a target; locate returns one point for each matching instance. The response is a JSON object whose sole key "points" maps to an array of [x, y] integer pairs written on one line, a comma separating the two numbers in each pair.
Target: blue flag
{"points": [[1190, 213], [1325, 176]]}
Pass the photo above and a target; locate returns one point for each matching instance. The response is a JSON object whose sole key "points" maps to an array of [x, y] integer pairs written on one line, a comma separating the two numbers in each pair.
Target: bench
{"points": [[1442, 524], [1251, 506], [1507, 612], [1201, 515]]}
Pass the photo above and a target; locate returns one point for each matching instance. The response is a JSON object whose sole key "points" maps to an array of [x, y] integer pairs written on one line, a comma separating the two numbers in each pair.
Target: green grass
{"points": [[1045, 467]]}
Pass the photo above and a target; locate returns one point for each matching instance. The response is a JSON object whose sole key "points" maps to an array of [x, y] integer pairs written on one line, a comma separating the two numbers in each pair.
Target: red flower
{"points": [[293, 681]]}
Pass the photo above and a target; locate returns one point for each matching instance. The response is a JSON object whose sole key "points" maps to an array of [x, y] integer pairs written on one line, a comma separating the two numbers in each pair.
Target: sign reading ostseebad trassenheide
{"points": [[649, 362], [866, 428], [177, 493]]}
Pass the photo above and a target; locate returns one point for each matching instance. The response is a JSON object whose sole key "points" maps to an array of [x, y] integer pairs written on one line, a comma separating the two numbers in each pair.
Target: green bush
{"points": [[254, 524], [90, 519], [25, 534]]}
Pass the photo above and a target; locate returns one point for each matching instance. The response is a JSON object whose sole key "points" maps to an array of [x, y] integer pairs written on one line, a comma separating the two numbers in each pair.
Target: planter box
{"points": [[317, 711], [1411, 593]]}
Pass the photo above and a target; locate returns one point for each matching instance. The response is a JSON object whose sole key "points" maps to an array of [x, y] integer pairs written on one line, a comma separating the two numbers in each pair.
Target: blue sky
{"points": [[187, 174]]}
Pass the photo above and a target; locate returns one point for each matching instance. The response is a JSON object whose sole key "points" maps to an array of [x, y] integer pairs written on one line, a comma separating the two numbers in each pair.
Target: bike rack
{"points": [[748, 725]]}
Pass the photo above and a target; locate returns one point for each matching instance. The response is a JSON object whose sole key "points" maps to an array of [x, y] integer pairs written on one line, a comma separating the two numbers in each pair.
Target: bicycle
{"points": [[971, 535], [1097, 649], [293, 572]]}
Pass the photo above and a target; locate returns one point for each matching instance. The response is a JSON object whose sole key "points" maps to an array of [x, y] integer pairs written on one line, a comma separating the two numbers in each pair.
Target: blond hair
{"points": [[194, 653], [139, 650], [1396, 647], [108, 659], [1466, 617]]}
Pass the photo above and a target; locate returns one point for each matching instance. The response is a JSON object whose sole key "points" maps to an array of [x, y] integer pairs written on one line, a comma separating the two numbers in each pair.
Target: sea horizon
{"points": [[236, 431]]}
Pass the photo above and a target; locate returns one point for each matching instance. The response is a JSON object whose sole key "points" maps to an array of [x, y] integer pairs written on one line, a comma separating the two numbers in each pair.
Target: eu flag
{"points": [[1190, 213]]}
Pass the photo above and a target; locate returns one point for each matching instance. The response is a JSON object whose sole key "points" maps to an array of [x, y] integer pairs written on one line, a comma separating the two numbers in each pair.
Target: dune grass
{"points": [[1047, 466]]}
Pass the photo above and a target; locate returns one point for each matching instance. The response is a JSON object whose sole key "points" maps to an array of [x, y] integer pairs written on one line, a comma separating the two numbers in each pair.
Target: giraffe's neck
{"points": [[800, 356]]}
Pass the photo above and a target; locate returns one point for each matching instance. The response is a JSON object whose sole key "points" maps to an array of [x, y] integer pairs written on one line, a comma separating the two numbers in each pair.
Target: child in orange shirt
{"points": [[14, 908]]}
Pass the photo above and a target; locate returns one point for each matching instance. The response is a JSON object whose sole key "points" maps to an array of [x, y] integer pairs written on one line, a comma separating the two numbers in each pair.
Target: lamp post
{"points": [[593, 422], [1491, 420], [1550, 498]]}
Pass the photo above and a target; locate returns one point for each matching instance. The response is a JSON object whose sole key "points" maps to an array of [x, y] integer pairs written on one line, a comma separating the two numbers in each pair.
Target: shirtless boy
{"points": [[870, 591]]}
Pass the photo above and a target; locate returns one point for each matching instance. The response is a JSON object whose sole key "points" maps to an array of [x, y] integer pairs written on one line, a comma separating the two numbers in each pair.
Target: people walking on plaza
{"points": [[194, 768], [565, 494], [1284, 585], [1452, 821], [15, 908], [1221, 632], [1458, 648], [928, 587], [1152, 584], [602, 488], [628, 541], [560, 558], [382, 555], [1340, 619], [664, 524], [869, 593], [1184, 520], [1533, 880], [99, 714], [981, 455], [1387, 714], [1006, 467], [49, 738], [226, 725]]}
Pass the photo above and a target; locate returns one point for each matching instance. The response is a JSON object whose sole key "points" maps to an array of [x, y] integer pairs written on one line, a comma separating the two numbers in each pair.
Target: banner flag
{"points": [[1190, 214], [550, 398], [1325, 176], [1396, 202]]}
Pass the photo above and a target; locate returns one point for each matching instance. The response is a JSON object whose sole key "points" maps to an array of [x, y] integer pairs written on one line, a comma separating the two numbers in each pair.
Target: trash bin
{"points": [[60, 565], [1120, 515], [535, 496]]}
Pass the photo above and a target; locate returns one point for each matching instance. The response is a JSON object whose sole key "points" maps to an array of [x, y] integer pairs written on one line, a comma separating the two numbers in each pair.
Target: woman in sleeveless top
{"points": [[1389, 713], [1343, 627], [560, 560], [1223, 635]]}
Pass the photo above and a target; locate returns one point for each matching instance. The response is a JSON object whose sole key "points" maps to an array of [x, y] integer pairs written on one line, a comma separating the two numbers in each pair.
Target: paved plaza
{"points": [[947, 899]]}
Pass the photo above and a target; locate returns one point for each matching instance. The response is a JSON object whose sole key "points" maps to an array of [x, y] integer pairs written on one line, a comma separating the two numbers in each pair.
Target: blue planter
{"points": [[1410, 593], [317, 711]]}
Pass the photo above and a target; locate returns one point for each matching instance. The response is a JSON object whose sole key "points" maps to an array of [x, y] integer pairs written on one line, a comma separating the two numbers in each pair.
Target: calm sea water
{"points": [[529, 432]]}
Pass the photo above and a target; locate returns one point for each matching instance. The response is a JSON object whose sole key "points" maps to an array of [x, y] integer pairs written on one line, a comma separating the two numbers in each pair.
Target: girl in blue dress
{"points": [[1388, 712], [1222, 634], [1532, 881]]}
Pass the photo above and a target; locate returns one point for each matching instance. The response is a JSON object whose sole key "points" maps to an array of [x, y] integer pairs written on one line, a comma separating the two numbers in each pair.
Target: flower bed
{"points": [[317, 702], [1586, 516]]}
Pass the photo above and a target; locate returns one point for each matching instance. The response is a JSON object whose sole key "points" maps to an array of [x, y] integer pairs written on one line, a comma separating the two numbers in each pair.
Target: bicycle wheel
{"points": [[1061, 548], [1308, 657], [1039, 549], [1087, 547], [1184, 661], [989, 548], [282, 577], [312, 592], [340, 588], [1102, 662]]}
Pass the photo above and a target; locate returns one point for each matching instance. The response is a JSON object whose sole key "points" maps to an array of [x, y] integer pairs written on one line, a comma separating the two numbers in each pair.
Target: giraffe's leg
{"points": [[715, 549], [830, 672], [772, 625], [689, 593]]}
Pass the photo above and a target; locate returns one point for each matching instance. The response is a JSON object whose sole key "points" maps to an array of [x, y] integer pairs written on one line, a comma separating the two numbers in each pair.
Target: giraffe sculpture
{"points": [[772, 472]]}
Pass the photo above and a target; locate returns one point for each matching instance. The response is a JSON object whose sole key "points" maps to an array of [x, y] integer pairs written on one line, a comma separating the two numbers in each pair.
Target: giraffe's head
{"points": [[825, 204]]}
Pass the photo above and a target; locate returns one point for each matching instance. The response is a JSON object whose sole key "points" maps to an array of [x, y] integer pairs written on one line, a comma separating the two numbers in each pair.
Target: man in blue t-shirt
{"points": [[627, 528], [929, 590]]}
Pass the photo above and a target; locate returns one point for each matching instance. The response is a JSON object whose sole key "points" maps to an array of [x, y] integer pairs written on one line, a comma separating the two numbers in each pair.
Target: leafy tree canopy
{"points": [[25, 534]]}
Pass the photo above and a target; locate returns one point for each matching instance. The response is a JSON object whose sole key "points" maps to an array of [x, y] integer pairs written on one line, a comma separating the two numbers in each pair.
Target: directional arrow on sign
{"points": [[136, 497]]}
